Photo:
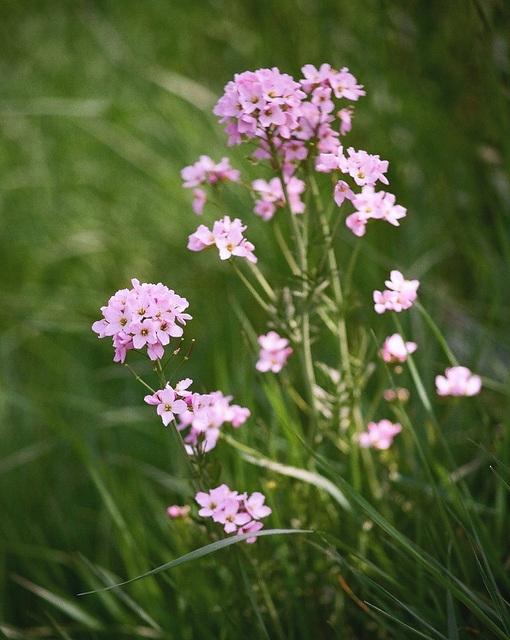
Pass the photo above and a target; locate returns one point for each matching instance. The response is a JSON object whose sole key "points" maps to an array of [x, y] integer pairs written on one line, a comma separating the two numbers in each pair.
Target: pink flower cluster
{"points": [[272, 196], [365, 169], [458, 381], [395, 350], [238, 513], [206, 171], [202, 414], [273, 353], [144, 316], [283, 115], [379, 434], [400, 295], [375, 205], [292, 119], [227, 236]]}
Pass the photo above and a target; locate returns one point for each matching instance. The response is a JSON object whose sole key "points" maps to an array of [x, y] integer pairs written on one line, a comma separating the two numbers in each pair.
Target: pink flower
{"points": [[274, 352], [379, 434], [177, 512], [212, 502], [395, 349], [146, 316], [199, 200], [238, 513], [168, 404], [401, 294], [458, 381], [342, 192]]}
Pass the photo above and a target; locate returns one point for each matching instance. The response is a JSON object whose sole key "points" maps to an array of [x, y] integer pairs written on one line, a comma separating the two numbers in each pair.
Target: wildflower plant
{"points": [[315, 363]]}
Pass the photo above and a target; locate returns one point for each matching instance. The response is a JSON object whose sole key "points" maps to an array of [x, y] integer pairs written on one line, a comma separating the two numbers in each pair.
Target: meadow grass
{"points": [[101, 106]]}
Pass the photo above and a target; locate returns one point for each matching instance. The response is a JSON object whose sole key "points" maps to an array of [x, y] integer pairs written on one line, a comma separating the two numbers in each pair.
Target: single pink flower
{"points": [[274, 352], [395, 349], [458, 381], [379, 434]]}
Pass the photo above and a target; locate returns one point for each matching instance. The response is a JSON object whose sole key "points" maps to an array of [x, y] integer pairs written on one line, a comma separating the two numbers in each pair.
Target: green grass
{"points": [[101, 105]]}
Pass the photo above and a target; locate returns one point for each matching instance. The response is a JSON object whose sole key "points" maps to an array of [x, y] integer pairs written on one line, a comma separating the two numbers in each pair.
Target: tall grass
{"points": [[102, 104]]}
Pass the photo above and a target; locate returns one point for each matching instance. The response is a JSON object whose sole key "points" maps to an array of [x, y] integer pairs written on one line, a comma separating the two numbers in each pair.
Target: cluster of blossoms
{"points": [[202, 414], [290, 120], [400, 295], [273, 353], [365, 169], [206, 171], [145, 316], [227, 236], [395, 350], [458, 381], [238, 513], [379, 434], [272, 196], [273, 108]]}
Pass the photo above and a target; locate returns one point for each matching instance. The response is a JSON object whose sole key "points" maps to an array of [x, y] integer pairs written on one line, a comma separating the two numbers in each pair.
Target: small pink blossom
{"points": [[274, 352], [379, 434], [199, 200], [458, 381], [345, 116], [168, 404], [177, 512], [400, 295], [395, 349], [342, 192]]}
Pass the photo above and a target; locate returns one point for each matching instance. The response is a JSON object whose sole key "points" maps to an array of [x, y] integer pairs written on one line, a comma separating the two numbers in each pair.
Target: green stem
{"points": [[301, 244], [262, 281], [287, 253], [251, 288], [437, 333], [343, 340]]}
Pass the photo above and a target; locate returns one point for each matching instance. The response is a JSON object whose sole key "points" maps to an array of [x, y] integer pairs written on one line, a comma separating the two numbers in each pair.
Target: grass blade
{"points": [[199, 553]]}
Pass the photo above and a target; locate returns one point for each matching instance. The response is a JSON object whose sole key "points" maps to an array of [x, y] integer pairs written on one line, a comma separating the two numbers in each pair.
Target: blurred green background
{"points": [[101, 105]]}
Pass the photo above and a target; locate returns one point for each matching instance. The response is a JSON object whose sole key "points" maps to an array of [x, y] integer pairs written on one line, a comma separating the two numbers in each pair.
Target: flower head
{"points": [[206, 171], [458, 381], [401, 294], [228, 237], [273, 353], [146, 316], [238, 513], [396, 350], [379, 434]]}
